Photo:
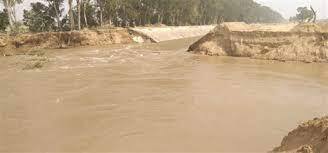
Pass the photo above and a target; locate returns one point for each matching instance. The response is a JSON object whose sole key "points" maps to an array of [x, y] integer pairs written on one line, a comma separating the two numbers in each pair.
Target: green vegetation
{"points": [[48, 15], [39, 18], [184, 12], [4, 22], [304, 15], [10, 10]]}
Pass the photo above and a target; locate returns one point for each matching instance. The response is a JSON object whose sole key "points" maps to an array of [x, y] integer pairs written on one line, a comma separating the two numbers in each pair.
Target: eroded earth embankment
{"points": [[309, 137], [27, 42], [284, 42]]}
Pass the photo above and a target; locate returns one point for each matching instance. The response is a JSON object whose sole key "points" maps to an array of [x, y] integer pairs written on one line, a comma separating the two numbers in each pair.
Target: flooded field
{"points": [[155, 97]]}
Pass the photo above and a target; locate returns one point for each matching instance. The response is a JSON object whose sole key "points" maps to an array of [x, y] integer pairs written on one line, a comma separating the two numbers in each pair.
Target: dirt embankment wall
{"points": [[165, 33], [21, 43], [309, 137], [284, 42]]}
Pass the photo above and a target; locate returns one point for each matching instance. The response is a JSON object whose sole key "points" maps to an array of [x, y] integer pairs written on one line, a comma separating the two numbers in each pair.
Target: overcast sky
{"points": [[286, 7]]}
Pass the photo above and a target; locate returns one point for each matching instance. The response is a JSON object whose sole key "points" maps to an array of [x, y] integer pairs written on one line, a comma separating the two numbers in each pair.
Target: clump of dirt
{"points": [[283, 42], [309, 137], [3, 40], [36, 52], [31, 59], [30, 62]]}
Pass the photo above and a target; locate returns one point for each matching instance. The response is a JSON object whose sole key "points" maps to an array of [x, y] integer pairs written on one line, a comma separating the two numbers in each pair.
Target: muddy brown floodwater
{"points": [[155, 97]]}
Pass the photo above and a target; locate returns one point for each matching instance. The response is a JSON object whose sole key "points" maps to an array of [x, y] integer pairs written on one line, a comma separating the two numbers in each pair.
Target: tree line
{"points": [[50, 15], [304, 14]]}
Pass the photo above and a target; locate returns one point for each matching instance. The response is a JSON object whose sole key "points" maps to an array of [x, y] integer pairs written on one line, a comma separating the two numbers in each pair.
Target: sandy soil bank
{"points": [[309, 137], [27, 42], [284, 42]]}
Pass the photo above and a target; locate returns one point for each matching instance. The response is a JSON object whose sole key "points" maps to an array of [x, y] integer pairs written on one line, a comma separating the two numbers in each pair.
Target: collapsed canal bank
{"points": [[283, 42], [309, 137], [26, 42]]}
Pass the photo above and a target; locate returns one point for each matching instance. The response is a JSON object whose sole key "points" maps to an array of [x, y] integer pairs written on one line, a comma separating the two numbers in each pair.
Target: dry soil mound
{"points": [[311, 136]]}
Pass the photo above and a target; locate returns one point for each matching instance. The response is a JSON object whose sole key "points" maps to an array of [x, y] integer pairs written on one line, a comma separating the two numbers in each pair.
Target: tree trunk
{"points": [[71, 17], [85, 2], [57, 15], [100, 4], [9, 13], [14, 11], [101, 17], [158, 18], [79, 13], [314, 15], [110, 21]]}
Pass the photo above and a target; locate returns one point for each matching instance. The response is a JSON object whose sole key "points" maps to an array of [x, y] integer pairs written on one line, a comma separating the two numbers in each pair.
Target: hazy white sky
{"points": [[286, 7]]}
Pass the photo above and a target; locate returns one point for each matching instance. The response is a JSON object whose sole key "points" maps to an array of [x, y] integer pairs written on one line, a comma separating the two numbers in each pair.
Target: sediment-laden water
{"points": [[155, 97]]}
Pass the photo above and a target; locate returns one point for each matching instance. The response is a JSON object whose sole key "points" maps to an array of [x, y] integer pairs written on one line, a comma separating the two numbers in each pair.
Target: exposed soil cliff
{"points": [[23, 43], [309, 137], [284, 42]]}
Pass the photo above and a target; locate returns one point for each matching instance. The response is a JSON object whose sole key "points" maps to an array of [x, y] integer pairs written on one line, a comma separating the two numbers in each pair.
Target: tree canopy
{"points": [[93, 13], [9, 5], [4, 22], [304, 14], [186, 12], [39, 18]]}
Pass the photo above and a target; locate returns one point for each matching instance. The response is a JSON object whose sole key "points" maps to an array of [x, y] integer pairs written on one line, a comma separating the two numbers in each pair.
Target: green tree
{"points": [[100, 4], [4, 22], [11, 13], [169, 12], [89, 15], [39, 18], [71, 14], [56, 9], [303, 15], [185, 12]]}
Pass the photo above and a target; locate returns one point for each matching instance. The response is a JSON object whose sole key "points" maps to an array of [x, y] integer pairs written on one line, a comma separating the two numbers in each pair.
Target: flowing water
{"points": [[155, 97]]}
